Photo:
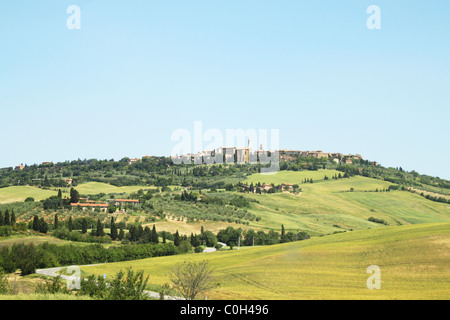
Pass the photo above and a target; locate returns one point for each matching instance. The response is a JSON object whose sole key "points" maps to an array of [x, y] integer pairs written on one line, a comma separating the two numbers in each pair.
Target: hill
{"points": [[330, 206], [413, 260]]}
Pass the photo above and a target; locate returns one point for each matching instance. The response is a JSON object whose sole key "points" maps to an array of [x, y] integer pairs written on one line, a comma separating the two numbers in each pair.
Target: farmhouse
{"points": [[19, 167], [93, 206], [266, 187], [287, 186], [119, 202], [131, 161]]}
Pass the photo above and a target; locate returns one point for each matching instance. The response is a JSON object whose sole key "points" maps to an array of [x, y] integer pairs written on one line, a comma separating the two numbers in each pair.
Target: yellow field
{"points": [[414, 262]]}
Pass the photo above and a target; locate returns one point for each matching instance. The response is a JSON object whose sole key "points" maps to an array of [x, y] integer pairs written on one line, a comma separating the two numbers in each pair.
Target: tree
{"points": [[74, 196], [190, 278], [84, 226], [7, 220], [176, 239], [42, 225], [13, 218], [121, 234], [100, 232], [154, 235], [209, 238], [36, 223], [56, 223], [70, 224], [114, 234]]}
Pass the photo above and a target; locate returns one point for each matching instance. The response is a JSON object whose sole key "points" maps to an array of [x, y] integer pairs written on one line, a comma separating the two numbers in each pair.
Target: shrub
{"points": [[199, 249]]}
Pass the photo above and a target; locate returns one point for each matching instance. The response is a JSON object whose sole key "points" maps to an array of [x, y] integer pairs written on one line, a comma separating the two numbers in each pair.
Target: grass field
{"points": [[329, 206], [292, 177], [20, 193], [414, 261]]}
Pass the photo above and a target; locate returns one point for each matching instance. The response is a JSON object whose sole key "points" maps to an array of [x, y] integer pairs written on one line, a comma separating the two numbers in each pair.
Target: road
{"points": [[53, 272]]}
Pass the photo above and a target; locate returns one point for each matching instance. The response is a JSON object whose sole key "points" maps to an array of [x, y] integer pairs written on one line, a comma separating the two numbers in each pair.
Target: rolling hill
{"points": [[414, 262]]}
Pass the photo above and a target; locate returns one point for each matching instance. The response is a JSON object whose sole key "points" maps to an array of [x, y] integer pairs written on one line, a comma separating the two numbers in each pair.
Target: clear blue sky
{"points": [[138, 70]]}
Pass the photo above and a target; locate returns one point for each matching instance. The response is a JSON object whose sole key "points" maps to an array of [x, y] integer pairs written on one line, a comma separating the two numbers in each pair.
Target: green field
{"points": [[328, 206], [20, 193], [292, 177], [414, 261]]}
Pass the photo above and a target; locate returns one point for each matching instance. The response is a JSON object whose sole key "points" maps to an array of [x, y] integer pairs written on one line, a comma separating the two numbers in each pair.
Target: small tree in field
{"points": [[190, 278]]}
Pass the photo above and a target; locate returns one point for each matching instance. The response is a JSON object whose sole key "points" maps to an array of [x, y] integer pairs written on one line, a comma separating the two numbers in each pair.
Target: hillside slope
{"points": [[414, 262], [325, 207]]}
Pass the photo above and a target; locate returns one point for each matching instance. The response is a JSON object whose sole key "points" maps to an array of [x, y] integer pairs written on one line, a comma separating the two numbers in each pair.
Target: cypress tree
{"points": [[121, 234], [74, 196], [7, 220], [84, 226], [155, 238], [70, 224], [100, 232], [13, 218], [2, 219], [114, 234], [43, 226], [176, 239], [147, 235], [36, 223], [56, 223]]}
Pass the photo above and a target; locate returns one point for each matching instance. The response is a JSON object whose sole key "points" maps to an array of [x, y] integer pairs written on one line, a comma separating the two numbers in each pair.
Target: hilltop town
{"points": [[247, 155]]}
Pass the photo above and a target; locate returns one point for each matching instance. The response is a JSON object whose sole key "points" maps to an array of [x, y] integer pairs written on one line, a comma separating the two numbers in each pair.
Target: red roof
{"points": [[101, 205], [127, 200]]}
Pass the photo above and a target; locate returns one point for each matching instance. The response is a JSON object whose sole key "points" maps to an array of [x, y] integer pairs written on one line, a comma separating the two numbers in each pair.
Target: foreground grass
{"points": [[414, 262]]}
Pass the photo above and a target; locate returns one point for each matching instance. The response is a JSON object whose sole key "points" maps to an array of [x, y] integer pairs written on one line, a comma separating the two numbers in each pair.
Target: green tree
{"points": [[121, 234], [56, 223], [84, 226], [100, 232], [70, 226], [176, 239], [7, 220], [74, 196], [154, 235], [114, 234]]}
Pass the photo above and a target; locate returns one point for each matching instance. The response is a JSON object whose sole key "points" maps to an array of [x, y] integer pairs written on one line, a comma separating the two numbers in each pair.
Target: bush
{"points": [[380, 221], [124, 286], [199, 249], [185, 246]]}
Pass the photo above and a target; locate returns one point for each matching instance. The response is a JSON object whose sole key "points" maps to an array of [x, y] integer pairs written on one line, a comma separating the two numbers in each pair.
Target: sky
{"points": [[137, 71]]}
